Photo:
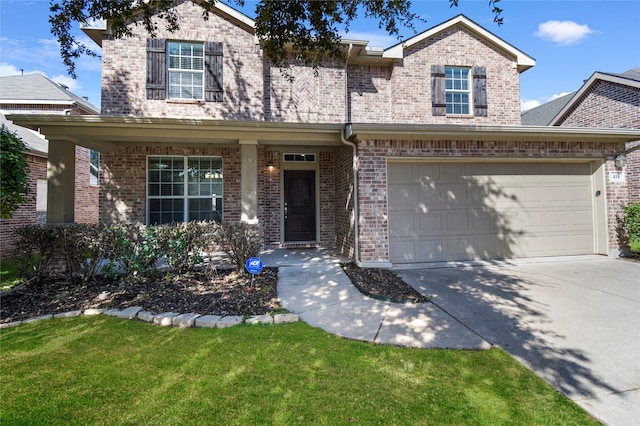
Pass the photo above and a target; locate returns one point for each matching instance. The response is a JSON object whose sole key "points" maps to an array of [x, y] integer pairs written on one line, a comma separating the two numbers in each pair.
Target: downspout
{"points": [[346, 132]]}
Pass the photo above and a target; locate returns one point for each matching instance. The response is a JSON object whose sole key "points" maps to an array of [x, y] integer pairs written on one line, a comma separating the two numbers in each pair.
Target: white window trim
{"points": [[469, 91], [181, 71], [185, 197]]}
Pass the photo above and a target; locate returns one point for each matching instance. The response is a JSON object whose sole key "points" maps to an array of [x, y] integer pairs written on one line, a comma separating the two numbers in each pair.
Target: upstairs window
{"points": [[457, 90], [186, 70]]}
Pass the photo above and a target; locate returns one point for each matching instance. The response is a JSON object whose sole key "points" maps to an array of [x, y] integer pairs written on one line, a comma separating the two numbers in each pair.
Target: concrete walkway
{"points": [[574, 321], [312, 284]]}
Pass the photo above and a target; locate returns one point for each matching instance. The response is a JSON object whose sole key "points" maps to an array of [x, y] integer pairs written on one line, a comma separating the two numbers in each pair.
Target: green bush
{"points": [[631, 222], [184, 243], [84, 253], [240, 242], [130, 250], [36, 249], [14, 173]]}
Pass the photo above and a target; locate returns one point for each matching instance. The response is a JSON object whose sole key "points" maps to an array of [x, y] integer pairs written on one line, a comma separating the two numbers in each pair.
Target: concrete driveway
{"points": [[575, 321]]}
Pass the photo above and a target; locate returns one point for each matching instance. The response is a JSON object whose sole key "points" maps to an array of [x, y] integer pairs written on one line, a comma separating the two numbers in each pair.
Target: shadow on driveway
{"points": [[575, 323]]}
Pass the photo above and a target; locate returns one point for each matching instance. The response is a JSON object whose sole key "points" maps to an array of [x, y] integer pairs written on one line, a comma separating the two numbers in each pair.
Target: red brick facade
{"points": [[27, 213]]}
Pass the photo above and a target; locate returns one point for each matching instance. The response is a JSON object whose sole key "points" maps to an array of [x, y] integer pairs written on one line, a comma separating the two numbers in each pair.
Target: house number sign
{"points": [[617, 177]]}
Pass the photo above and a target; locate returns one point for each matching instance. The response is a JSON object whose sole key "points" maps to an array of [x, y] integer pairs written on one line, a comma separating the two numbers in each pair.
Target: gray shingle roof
{"points": [[38, 89], [543, 114]]}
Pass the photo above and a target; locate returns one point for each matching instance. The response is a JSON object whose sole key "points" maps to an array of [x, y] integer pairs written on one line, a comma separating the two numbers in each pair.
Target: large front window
{"points": [[458, 90], [181, 189], [186, 70]]}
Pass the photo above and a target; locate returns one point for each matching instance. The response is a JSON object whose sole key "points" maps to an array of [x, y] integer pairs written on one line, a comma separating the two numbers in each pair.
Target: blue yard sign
{"points": [[254, 265]]}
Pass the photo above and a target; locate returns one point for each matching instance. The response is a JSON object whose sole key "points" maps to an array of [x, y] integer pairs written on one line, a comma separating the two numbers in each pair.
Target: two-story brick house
{"points": [[411, 153]]}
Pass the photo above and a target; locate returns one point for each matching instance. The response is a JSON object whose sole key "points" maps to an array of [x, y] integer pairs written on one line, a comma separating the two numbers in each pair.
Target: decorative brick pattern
{"points": [[372, 176]]}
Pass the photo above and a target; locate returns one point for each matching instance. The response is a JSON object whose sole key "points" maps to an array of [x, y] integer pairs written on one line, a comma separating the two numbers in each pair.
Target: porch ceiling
{"points": [[107, 133]]}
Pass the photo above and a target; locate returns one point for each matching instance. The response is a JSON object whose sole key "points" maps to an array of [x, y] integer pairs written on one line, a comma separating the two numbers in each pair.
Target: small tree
{"points": [[14, 173], [240, 242]]}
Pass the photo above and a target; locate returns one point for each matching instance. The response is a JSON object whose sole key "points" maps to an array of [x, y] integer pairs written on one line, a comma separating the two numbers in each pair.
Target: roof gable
{"points": [[524, 61], [630, 78]]}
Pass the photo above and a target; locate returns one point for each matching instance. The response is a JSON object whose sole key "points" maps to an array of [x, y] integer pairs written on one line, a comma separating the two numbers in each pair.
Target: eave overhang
{"points": [[366, 131], [107, 133]]}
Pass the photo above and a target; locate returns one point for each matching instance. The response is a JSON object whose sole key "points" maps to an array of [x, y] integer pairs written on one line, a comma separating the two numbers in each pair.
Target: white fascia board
{"points": [[523, 60], [35, 102], [587, 85]]}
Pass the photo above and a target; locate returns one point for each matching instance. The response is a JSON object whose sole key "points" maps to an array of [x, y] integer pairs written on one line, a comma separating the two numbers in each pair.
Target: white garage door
{"points": [[464, 211]]}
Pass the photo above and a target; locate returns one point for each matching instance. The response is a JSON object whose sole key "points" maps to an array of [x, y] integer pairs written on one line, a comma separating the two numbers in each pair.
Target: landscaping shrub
{"points": [[84, 253], [130, 250], [631, 223], [183, 243], [35, 251], [240, 242]]}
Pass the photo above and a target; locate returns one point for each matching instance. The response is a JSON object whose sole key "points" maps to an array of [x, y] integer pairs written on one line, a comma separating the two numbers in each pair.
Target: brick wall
{"points": [[256, 90], [269, 196], [327, 198], [124, 176], [613, 105], [86, 195], [344, 195], [124, 71], [372, 177], [25, 214]]}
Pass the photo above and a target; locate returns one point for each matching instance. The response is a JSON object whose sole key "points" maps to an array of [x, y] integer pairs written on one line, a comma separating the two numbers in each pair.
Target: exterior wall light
{"points": [[621, 160]]}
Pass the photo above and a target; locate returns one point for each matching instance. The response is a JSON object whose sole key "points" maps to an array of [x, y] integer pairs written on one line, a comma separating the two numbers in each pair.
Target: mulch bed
{"points": [[222, 292], [382, 284]]}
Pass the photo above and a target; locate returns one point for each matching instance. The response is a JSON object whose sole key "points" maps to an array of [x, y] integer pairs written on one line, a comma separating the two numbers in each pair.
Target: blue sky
{"points": [[569, 40]]}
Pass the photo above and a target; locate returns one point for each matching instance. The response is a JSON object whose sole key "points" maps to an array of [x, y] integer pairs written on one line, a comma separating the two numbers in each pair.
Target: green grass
{"points": [[635, 246], [8, 274], [102, 370]]}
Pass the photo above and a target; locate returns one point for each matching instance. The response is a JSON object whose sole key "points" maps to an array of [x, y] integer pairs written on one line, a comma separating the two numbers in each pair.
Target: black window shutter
{"points": [[213, 89], [438, 95], [479, 91], [156, 69]]}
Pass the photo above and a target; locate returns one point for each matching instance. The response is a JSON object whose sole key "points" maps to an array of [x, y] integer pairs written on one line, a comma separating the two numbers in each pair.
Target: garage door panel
{"points": [[489, 210]]}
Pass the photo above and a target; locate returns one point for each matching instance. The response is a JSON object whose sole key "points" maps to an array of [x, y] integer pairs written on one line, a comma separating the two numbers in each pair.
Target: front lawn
{"points": [[103, 370]]}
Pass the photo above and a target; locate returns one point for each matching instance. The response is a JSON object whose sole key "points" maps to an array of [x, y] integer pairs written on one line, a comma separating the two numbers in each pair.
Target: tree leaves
{"points": [[14, 173]]}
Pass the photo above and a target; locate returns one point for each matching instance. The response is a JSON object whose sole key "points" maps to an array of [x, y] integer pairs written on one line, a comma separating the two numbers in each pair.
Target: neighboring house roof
{"points": [[35, 143], [629, 78], [523, 60], [550, 113], [543, 114], [36, 89]]}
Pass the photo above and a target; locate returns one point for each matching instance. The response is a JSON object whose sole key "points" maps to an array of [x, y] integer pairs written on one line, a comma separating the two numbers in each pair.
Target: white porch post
{"points": [[61, 172], [249, 181]]}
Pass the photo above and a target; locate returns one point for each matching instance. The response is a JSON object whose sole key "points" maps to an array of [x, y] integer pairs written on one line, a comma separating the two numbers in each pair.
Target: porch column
{"points": [[61, 172], [249, 181]]}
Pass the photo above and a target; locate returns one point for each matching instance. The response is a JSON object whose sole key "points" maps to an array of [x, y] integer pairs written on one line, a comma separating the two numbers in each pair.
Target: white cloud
{"points": [[71, 84], [563, 33]]}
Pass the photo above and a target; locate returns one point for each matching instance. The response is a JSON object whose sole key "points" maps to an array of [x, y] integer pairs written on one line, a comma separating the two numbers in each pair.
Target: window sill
{"points": [[186, 101], [460, 116]]}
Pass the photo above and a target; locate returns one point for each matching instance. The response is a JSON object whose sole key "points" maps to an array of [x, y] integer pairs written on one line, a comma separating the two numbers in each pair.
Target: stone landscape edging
{"points": [[167, 319]]}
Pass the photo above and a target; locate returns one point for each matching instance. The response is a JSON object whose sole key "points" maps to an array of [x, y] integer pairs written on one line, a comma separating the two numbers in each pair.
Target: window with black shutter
{"points": [[454, 88], [184, 70]]}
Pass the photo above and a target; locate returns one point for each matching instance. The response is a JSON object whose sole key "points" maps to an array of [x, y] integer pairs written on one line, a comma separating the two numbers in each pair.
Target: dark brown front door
{"points": [[299, 205]]}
